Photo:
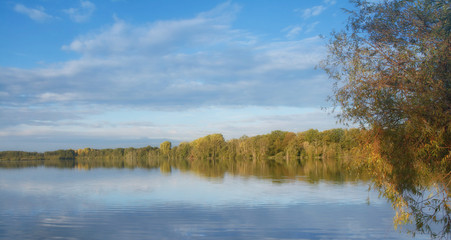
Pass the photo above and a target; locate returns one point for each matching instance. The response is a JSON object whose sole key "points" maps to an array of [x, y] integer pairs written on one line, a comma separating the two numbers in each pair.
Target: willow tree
{"points": [[391, 66]]}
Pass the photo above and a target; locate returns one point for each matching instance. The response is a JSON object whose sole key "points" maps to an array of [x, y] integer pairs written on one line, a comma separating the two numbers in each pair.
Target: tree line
{"points": [[317, 154], [278, 146]]}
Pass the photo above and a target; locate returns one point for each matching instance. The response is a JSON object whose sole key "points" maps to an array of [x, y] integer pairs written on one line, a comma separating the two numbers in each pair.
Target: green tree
{"points": [[208, 147], [183, 150], [165, 147], [311, 135], [391, 67]]}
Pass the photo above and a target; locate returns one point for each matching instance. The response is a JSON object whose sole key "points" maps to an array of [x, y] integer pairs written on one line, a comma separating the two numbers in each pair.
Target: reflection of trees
{"points": [[417, 189], [53, 163], [431, 210], [314, 170], [165, 167]]}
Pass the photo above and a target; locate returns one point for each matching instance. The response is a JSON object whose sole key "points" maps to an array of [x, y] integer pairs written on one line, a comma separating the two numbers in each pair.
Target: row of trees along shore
{"points": [[278, 146], [316, 154]]}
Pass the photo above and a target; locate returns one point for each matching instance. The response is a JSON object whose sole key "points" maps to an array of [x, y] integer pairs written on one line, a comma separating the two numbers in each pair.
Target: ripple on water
{"points": [[121, 204]]}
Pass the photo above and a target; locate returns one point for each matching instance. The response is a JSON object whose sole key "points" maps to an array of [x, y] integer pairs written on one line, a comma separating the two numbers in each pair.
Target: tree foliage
{"points": [[165, 147], [391, 67], [318, 155]]}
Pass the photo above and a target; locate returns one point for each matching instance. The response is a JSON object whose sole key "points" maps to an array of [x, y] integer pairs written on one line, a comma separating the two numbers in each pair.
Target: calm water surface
{"points": [[51, 203]]}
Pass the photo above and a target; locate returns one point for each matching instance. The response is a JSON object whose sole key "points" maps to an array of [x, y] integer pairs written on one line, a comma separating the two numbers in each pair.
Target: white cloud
{"points": [[37, 14], [206, 29], [292, 31], [171, 64], [166, 70], [311, 27], [330, 2], [56, 97], [82, 13], [316, 10], [313, 11], [123, 124], [188, 63]]}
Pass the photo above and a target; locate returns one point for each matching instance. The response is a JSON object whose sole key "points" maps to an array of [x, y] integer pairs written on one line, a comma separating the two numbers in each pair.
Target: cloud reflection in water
{"points": [[144, 204]]}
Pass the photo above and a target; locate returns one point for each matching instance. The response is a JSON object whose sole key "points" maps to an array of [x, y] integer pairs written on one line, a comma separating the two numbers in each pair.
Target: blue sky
{"points": [[123, 73]]}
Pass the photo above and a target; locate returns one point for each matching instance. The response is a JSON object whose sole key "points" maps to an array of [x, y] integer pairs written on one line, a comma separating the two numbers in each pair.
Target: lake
{"points": [[114, 203]]}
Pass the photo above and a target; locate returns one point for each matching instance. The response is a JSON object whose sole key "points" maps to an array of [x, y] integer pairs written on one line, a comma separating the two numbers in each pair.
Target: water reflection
{"points": [[312, 170], [44, 203]]}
